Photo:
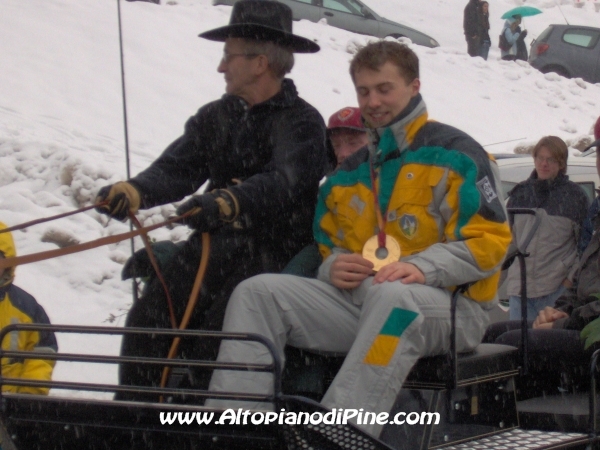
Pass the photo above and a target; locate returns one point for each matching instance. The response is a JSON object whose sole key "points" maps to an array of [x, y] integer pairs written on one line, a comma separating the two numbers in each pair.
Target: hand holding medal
{"points": [[381, 255]]}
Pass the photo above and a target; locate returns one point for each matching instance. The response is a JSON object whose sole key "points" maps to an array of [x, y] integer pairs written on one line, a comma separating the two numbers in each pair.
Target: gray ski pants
{"points": [[383, 328]]}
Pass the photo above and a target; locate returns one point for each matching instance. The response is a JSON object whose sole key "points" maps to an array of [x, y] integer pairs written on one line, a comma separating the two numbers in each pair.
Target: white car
{"points": [[580, 170]]}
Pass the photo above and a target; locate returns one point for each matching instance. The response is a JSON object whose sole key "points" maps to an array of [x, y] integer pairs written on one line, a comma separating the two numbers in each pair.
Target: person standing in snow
{"points": [[471, 27], [262, 149], [429, 197], [484, 29], [17, 306], [513, 35]]}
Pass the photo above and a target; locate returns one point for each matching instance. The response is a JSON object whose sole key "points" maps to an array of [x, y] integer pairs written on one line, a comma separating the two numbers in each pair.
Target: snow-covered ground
{"points": [[61, 118]]}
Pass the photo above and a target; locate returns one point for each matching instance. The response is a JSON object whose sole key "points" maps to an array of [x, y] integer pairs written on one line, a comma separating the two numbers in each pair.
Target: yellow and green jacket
{"points": [[440, 192], [17, 306]]}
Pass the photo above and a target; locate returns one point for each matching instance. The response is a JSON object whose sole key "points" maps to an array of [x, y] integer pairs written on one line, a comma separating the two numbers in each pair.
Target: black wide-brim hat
{"points": [[262, 20]]}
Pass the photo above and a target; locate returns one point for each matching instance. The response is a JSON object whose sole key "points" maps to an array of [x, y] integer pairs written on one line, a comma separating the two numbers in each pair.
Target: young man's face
{"points": [[383, 94]]}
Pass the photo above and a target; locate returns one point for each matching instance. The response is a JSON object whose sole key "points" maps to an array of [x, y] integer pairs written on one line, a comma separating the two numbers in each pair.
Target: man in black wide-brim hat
{"points": [[262, 148]]}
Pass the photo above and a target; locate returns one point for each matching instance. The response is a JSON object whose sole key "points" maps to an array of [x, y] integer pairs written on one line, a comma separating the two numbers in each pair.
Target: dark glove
{"points": [[206, 215], [523, 34], [122, 198]]}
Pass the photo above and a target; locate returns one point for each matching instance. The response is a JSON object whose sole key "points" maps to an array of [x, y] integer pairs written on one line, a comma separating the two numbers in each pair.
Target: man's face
{"points": [[238, 66], [345, 142], [383, 94]]}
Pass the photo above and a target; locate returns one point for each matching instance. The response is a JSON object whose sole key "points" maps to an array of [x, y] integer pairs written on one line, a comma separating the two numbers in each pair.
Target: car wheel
{"points": [[559, 70]]}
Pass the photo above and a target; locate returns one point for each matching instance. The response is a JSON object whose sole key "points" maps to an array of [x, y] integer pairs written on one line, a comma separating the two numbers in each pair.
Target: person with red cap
{"points": [[346, 133]]}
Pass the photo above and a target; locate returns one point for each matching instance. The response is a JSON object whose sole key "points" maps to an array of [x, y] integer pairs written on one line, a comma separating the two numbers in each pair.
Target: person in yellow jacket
{"points": [[400, 225], [17, 306]]}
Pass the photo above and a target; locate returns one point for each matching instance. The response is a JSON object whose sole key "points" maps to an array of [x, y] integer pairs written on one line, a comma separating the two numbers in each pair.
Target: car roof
{"points": [[563, 26], [498, 156]]}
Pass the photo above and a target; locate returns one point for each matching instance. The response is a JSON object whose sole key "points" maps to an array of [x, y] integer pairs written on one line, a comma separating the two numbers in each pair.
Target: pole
{"points": [[503, 142], [125, 126]]}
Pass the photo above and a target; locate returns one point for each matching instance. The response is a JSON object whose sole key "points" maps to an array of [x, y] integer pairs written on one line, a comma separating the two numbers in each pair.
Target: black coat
{"points": [[484, 26], [277, 150], [471, 19]]}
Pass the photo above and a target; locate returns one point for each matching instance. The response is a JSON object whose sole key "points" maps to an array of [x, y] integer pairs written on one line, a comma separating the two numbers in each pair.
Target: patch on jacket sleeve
{"points": [[486, 189]]}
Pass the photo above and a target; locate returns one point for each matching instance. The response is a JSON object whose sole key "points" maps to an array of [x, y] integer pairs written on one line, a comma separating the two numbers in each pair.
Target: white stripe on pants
{"points": [[311, 314]]}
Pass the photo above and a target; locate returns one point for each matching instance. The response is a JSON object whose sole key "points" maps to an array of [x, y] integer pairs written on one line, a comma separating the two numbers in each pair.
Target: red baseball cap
{"points": [[348, 117]]}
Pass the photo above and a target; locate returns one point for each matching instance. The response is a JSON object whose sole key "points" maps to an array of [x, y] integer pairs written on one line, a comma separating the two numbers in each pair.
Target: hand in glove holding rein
{"points": [[209, 210], [122, 198]]}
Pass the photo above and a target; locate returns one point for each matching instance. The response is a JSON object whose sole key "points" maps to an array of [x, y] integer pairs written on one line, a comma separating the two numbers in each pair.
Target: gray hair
{"points": [[281, 59]]}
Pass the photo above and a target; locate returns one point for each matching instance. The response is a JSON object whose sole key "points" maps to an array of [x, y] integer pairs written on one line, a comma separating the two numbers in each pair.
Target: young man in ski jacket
{"points": [[17, 306], [262, 148], [423, 206]]}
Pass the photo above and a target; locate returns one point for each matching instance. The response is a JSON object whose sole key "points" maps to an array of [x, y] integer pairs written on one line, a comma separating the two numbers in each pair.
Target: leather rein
{"points": [[139, 231]]}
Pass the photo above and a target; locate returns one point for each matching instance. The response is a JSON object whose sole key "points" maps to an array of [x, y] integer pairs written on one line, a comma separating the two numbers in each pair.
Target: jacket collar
{"points": [[541, 186], [286, 96], [400, 133], [560, 178]]}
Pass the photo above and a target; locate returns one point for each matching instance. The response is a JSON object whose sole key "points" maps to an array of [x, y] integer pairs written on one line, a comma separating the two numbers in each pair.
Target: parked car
{"points": [[568, 50], [351, 15], [514, 170]]}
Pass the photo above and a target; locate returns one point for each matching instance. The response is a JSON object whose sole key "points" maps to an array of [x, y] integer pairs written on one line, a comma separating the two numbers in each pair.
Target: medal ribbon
{"points": [[381, 219]]}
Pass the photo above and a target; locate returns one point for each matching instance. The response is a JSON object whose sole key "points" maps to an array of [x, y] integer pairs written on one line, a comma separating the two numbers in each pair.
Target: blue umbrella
{"points": [[523, 11]]}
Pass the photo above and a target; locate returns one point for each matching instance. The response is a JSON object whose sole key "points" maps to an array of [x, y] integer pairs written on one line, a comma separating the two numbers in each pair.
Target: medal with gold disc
{"points": [[381, 249]]}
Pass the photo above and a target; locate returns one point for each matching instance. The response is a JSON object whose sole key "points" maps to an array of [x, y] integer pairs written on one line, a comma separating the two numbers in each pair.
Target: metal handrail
{"points": [[274, 367], [521, 254]]}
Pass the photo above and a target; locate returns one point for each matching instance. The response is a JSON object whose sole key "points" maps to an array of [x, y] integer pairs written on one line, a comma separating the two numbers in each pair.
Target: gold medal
{"points": [[381, 256]]}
